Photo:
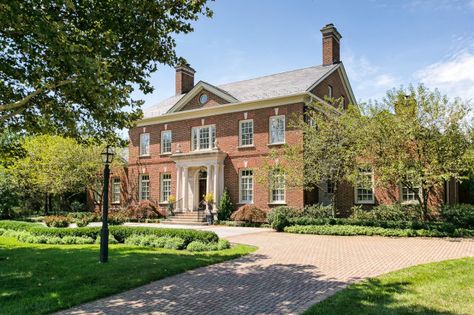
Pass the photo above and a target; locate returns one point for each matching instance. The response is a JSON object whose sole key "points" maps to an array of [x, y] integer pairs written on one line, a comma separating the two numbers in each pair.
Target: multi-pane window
{"points": [[277, 129], [144, 144], [165, 186], [246, 132], [329, 187], [144, 187], [277, 185], [410, 195], [204, 138], [364, 189], [246, 186], [166, 141], [116, 190]]}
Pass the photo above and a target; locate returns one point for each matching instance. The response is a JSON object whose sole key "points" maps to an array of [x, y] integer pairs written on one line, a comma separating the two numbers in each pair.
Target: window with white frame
{"points": [[204, 137], [165, 187], [329, 186], [329, 91], [246, 186], [144, 144], [410, 195], [116, 190], [246, 132], [277, 129], [364, 189], [277, 186], [144, 187], [166, 138]]}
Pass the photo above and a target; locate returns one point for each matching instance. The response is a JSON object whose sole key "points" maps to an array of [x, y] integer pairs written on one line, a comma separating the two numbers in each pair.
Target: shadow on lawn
{"points": [[372, 297], [36, 279]]}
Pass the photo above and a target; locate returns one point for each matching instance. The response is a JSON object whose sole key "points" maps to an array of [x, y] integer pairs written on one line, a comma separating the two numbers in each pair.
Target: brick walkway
{"points": [[286, 275]]}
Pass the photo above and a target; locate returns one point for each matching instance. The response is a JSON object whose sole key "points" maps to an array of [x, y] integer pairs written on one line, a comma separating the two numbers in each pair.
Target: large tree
{"points": [[418, 139], [54, 165], [69, 67]]}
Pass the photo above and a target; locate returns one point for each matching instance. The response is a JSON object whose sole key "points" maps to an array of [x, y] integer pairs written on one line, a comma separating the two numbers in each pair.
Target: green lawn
{"points": [[439, 288], [38, 279]]}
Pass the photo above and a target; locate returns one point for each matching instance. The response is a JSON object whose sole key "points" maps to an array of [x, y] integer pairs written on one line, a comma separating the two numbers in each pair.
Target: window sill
{"points": [[246, 146], [245, 203], [165, 154], [276, 144], [411, 202], [164, 203], [280, 203], [115, 203], [144, 156], [364, 202]]}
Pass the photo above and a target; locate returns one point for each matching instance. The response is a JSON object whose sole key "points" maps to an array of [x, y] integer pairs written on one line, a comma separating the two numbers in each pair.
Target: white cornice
{"points": [[302, 97]]}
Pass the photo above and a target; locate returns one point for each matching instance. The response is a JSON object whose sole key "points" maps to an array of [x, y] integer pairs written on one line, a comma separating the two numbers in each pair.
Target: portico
{"points": [[198, 173]]}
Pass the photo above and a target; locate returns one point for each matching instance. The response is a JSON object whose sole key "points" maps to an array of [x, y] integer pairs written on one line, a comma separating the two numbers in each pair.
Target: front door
{"points": [[202, 189]]}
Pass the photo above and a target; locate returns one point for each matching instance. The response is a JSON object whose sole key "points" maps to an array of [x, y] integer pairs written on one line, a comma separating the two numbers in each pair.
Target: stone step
{"points": [[184, 222], [186, 219]]}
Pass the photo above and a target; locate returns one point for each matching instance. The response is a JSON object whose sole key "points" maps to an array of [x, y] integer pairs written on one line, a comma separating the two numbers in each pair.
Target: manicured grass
{"points": [[38, 279], [439, 288]]}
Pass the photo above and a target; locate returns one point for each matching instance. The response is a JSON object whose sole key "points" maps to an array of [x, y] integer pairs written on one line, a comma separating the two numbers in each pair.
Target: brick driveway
{"points": [[286, 275]]}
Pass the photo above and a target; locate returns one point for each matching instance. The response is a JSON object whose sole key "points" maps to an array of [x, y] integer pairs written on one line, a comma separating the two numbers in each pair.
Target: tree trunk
{"points": [[46, 210]]}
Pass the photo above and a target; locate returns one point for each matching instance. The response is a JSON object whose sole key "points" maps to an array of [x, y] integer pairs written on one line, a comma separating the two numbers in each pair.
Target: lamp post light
{"points": [[107, 158]]}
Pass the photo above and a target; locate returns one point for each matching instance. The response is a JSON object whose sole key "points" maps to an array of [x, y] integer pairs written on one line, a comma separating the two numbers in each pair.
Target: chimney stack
{"points": [[184, 79], [331, 37]]}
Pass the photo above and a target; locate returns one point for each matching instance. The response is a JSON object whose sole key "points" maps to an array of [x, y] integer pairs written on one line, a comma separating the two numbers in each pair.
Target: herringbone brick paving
{"points": [[285, 275]]}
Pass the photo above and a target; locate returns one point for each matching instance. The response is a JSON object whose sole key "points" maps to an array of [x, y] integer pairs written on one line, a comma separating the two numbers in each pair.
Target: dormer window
{"points": [[204, 138]]}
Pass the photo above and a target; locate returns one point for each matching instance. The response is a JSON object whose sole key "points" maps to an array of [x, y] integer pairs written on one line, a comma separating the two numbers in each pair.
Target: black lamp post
{"points": [[107, 157]]}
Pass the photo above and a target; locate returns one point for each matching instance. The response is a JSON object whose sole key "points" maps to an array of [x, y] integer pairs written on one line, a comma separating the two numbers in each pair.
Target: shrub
{"points": [[369, 230], [155, 241], [77, 240], [17, 225], [117, 217], [112, 239], [123, 232], [461, 215], [225, 206], [144, 209], [198, 246], [318, 211], [57, 221], [249, 213], [223, 244], [393, 212]]}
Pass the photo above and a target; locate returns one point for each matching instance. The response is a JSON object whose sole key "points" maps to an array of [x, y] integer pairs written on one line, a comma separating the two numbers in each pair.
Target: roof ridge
{"points": [[269, 75]]}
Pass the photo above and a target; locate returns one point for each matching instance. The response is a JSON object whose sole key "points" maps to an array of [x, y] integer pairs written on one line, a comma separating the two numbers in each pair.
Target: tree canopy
{"points": [[68, 67]]}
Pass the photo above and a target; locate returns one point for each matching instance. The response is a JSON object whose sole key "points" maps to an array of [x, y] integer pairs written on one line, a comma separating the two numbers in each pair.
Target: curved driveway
{"points": [[287, 274]]}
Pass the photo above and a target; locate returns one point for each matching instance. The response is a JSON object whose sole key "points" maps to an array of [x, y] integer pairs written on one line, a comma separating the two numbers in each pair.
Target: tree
{"points": [[225, 206], [69, 67], [54, 165], [418, 139], [328, 150]]}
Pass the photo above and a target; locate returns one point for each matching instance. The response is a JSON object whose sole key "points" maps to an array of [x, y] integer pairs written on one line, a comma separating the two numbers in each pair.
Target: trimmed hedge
{"points": [[350, 230], [120, 233]]}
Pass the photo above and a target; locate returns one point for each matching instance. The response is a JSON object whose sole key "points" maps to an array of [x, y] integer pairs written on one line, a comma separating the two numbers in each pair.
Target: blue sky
{"points": [[385, 44]]}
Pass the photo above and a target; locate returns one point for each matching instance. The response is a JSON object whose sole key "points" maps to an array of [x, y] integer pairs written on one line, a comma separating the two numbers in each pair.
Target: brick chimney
{"points": [[184, 79], [331, 39]]}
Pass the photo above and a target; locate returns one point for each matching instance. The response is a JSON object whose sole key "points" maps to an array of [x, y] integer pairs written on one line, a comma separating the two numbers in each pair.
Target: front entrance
{"points": [[202, 189]]}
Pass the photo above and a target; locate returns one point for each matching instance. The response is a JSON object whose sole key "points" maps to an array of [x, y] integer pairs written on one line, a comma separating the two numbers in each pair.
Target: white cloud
{"points": [[453, 76], [367, 79]]}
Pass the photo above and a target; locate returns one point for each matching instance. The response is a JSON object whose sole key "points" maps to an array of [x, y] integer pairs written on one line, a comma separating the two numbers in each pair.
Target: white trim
{"points": [[409, 202], [162, 200], [114, 182], [161, 142], [301, 97], [321, 79], [211, 143], [277, 202], [201, 85], [240, 187], [240, 133], [270, 130], [365, 202], [140, 187], [140, 145], [347, 84]]}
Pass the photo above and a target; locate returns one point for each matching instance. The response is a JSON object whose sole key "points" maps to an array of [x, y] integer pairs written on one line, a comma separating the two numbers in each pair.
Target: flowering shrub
{"points": [[249, 213], [57, 221]]}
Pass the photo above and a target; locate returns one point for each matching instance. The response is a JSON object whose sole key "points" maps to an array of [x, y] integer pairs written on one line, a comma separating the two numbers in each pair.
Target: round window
{"points": [[203, 99]]}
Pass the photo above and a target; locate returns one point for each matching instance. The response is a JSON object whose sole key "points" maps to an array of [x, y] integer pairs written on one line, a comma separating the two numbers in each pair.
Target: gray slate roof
{"points": [[280, 84]]}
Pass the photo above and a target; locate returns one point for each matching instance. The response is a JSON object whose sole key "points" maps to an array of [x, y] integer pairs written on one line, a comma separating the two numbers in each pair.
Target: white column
{"points": [[185, 189], [208, 180], [215, 177], [221, 179], [178, 187]]}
